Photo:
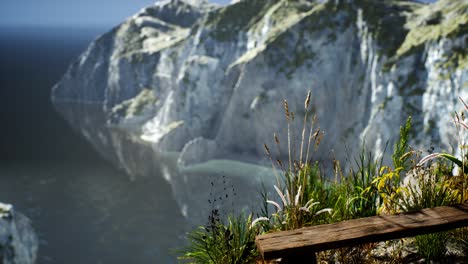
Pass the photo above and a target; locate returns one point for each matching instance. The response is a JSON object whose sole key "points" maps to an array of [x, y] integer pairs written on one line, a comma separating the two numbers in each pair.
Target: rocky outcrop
{"points": [[18, 242], [188, 90]]}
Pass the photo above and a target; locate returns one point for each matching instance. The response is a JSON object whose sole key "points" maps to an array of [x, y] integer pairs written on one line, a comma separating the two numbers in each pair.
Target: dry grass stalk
{"points": [[286, 110], [306, 106], [312, 124]]}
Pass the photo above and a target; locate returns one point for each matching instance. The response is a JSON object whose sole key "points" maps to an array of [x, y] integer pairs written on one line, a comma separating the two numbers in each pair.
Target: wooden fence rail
{"points": [[304, 242]]}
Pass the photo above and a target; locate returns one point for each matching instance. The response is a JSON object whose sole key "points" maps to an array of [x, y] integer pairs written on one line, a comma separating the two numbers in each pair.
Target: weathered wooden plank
{"points": [[359, 231]]}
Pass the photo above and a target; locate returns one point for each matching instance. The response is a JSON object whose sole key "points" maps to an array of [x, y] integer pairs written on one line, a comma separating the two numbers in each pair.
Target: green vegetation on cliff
{"points": [[443, 19], [135, 106], [226, 22]]}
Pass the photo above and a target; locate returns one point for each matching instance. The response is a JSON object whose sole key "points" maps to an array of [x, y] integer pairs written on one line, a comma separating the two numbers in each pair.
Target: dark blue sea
{"points": [[82, 208]]}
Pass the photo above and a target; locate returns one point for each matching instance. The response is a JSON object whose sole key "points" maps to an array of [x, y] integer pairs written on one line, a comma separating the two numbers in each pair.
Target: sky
{"points": [[78, 13]]}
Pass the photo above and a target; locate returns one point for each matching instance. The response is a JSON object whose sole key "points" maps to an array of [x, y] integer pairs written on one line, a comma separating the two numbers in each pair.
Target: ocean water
{"points": [[82, 208]]}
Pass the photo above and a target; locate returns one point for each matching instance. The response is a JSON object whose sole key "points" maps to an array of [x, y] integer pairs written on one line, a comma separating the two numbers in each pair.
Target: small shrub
{"points": [[459, 183], [355, 195], [219, 243], [427, 191], [432, 246], [364, 196], [388, 181]]}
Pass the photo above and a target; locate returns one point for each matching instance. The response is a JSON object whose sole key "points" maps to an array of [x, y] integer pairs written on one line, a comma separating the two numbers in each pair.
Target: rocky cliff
{"points": [[18, 242], [191, 90]]}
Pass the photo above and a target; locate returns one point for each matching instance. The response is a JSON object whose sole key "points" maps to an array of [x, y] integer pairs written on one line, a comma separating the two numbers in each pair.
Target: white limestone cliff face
{"points": [[18, 242], [192, 91]]}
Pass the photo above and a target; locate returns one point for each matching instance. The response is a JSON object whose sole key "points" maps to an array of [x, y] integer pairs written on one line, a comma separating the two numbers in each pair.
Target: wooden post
{"points": [[309, 258]]}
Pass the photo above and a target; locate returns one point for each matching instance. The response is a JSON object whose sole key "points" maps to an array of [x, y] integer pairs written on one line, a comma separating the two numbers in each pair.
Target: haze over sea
{"points": [[83, 209]]}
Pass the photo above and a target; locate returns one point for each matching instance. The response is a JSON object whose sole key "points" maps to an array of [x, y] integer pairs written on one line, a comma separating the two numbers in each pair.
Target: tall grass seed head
{"points": [[276, 138], [307, 101], [267, 150], [286, 109]]}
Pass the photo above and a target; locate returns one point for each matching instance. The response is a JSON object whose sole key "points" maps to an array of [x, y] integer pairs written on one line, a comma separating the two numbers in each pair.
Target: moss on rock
{"points": [[443, 19], [226, 22], [136, 105]]}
